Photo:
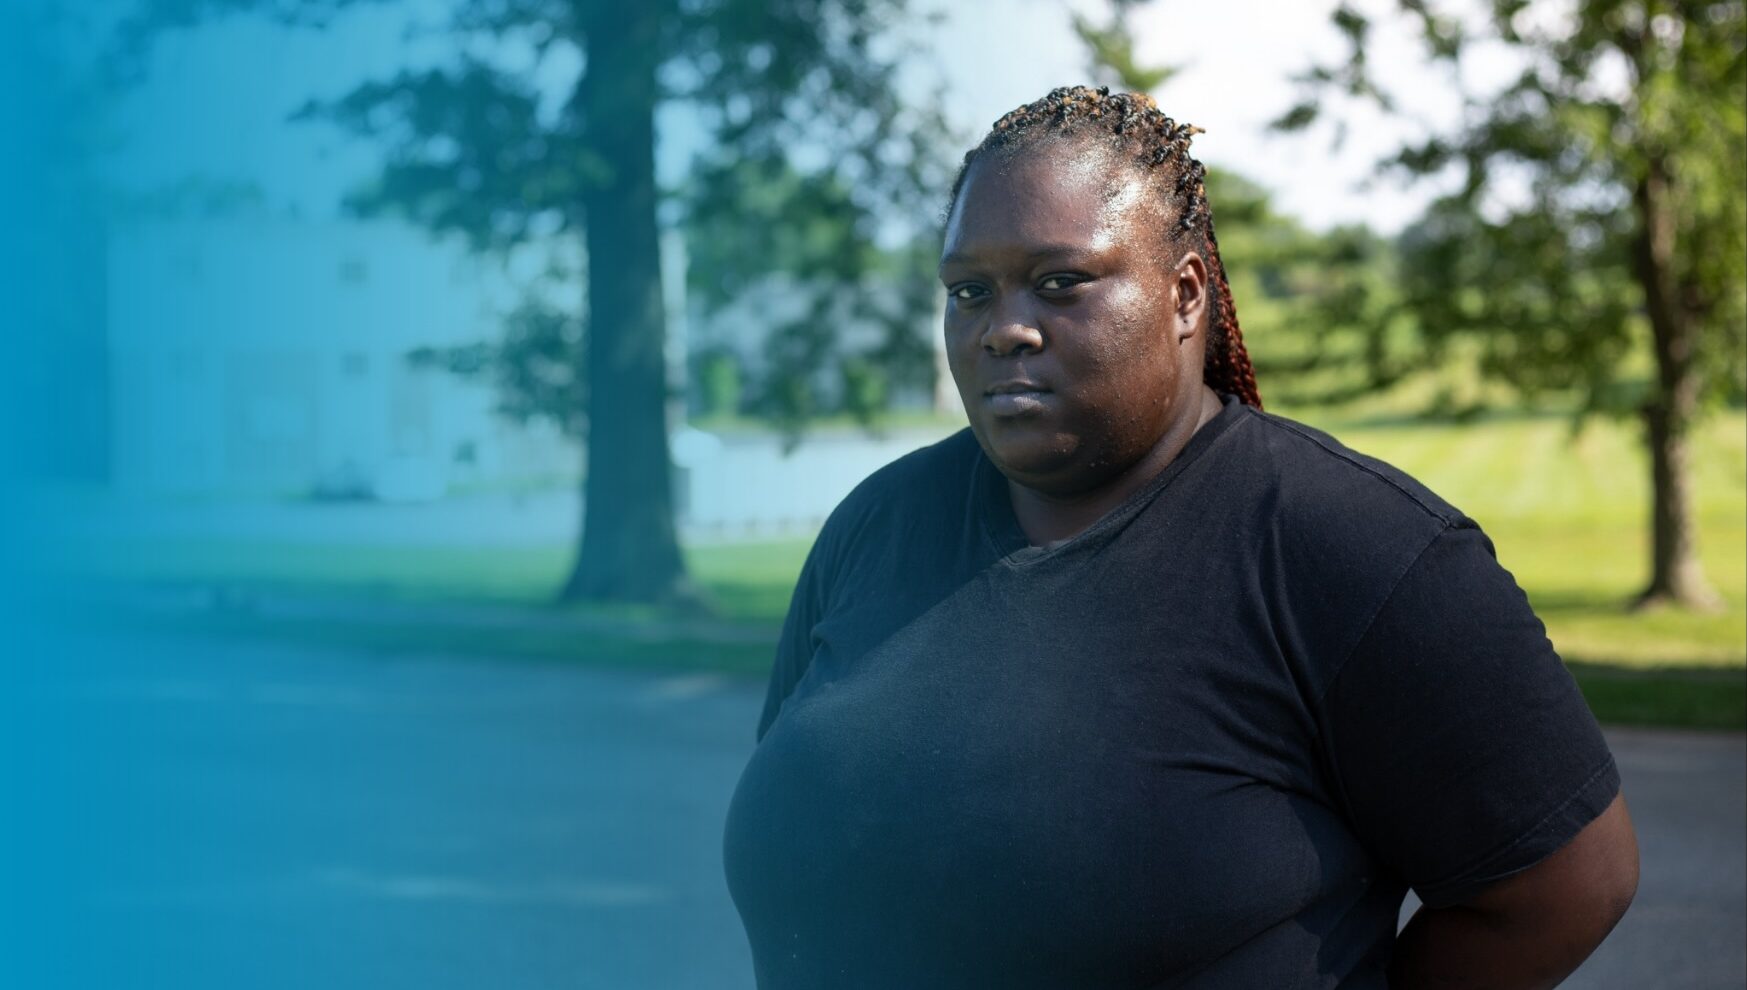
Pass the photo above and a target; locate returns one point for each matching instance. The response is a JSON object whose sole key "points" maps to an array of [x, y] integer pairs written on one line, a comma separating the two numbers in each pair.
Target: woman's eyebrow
{"points": [[1038, 254]]}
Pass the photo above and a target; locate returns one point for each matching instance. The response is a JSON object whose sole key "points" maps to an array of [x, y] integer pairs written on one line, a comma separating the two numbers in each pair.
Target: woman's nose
{"points": [[1012, 330]]}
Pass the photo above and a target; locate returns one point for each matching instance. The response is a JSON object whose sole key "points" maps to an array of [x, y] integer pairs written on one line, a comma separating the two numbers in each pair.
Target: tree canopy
{"points": [[1595, 241]]}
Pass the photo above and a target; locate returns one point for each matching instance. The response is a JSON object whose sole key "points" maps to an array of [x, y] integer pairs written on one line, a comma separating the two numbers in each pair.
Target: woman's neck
{"points": [[1048, 519]]}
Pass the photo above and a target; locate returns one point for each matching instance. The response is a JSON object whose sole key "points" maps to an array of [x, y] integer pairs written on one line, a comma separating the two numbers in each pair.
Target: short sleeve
{"points": [[795, 647], [1459, 742]]}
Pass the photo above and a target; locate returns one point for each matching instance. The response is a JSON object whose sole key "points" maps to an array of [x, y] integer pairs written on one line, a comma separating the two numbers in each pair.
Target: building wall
{"points": [[264, 355]]}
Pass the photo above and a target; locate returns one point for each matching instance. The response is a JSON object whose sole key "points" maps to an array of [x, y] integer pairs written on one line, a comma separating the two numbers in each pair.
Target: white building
{"points": [[267, 355]]}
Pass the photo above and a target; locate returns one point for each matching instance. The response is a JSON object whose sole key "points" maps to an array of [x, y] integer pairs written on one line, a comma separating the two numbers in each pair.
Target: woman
{"points": [[1132, 685]]}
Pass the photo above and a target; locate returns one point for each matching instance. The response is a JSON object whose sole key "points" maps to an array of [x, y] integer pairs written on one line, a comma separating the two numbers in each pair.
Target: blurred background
{"points": [[419, 411]]}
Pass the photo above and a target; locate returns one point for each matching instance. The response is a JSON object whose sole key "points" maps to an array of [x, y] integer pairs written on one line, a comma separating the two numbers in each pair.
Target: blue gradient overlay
{"points": [[209, 360]]}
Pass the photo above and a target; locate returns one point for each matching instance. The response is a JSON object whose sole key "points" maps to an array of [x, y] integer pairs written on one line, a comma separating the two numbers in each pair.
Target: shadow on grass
{"points": [[1454, 418], [608, 638], [1672, 697], [756, 601], [1607, 604], [1581, 602]]}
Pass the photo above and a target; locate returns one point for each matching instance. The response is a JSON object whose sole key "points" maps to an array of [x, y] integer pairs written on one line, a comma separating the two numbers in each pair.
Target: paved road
{"points": [[227, 815]]}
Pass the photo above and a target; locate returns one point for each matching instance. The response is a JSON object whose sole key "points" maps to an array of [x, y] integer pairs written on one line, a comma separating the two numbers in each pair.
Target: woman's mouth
{"points": [[1016, 398]]}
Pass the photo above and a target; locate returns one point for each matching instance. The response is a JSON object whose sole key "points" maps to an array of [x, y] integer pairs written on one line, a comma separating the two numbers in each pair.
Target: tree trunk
{"points": [[1675, 574], [629, 549]]}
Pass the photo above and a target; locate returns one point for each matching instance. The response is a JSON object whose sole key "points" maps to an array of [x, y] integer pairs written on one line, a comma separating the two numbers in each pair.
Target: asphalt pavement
{"points": [[215, 813]]}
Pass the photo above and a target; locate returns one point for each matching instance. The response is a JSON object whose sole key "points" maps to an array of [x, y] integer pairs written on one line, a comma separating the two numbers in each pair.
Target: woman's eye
{"points": [[965, 293], [1056, 283]]}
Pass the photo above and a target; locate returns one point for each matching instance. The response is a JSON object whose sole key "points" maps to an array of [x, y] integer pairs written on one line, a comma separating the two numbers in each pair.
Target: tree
{"points": [[748, 215], [1110, 49], [1601, 213], [473, 150]]}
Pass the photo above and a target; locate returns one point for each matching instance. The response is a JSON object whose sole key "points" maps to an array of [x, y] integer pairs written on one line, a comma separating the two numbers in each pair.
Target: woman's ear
{"points": [[1190, 287]]}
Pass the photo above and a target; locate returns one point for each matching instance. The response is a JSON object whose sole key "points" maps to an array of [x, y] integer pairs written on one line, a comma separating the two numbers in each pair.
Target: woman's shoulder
{"points": [[922, 476], [923, 473], [1335, 521], [1314, 476], [917, 484]]}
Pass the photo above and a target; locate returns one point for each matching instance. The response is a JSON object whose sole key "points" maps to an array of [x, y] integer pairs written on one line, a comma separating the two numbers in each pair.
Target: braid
{"points": [[1131, 125], [1227, 367]]}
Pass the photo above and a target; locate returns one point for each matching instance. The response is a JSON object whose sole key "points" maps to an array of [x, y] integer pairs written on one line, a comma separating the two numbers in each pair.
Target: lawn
{"points": [[1566, 512]]}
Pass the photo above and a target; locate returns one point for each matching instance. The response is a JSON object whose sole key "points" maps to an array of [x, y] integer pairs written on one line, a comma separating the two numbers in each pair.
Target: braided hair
{"points": [[1131, 125]]}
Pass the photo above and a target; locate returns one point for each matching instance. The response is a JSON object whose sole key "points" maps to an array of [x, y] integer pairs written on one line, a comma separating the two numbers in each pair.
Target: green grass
{"points": [[1673, 697], [512, 575], [1567, 514], [834, 424], [745, 583], [751, 581], [581, 643]]}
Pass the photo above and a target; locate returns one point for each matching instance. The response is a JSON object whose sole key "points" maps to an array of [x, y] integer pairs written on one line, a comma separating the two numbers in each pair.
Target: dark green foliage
{"points": [[468, 154], [537, 368], [1532, 255], [1564, 285], [1321, 311], [1596, 244], [721, 382], [748, 219], [1111, 47]]}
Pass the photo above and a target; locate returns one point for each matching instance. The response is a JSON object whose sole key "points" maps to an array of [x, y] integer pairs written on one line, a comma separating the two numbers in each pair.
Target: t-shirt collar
{"points": [[992, 503]]}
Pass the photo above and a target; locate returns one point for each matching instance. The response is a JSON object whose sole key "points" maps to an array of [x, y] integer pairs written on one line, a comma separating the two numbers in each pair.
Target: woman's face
{"points": [[1073, 329]]}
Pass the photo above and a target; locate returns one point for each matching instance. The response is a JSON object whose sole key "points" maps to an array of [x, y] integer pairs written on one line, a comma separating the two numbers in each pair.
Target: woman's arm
{"points": [[1529, 930]]}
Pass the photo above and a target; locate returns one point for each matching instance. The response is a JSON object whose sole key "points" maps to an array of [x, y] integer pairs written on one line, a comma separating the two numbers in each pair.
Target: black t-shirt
{"points": [[1208, 742]]}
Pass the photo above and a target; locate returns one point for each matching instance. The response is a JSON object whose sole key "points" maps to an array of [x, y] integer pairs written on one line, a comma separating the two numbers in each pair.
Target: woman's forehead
{"points": [[1050, 198]]}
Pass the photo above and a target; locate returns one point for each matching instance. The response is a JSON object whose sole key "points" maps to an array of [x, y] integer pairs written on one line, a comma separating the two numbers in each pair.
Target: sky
{"points": [[1236, 61]]}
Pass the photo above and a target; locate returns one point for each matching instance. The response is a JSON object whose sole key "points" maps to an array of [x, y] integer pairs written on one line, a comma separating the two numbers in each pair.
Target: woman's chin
{"points": [[1034, 458]]}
